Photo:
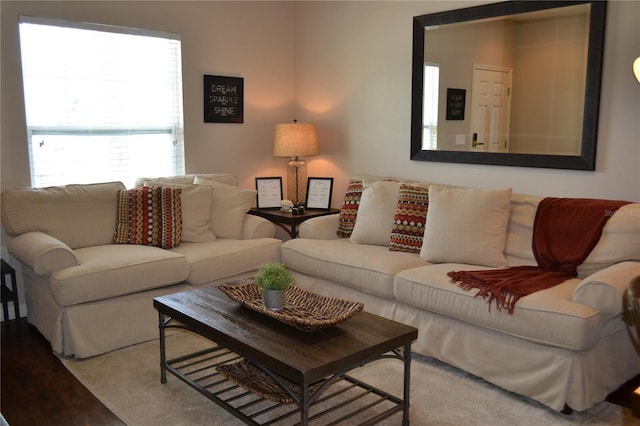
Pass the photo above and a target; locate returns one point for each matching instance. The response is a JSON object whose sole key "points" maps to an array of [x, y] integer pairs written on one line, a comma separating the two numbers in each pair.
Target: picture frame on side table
{"points": [[319, 190], [269, 192]]}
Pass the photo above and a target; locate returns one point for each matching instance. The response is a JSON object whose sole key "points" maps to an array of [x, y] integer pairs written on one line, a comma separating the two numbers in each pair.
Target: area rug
{"points": [[127, 381]]}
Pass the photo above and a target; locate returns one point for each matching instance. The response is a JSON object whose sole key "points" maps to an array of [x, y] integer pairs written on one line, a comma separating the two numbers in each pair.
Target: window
{"points": [[102, 103], [430, 119]]}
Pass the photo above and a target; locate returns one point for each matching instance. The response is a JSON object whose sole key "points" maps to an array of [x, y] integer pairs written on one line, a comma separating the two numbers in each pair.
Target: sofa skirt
{"points": [[550, 375], [91, 329]]}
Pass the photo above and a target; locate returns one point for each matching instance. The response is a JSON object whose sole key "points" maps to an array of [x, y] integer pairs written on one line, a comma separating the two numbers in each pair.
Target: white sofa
{"points": [[87, 295], [566, 346]]}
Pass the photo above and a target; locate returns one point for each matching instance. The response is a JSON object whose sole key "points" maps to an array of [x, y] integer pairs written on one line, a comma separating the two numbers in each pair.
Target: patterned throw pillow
{"points": [[195, 205], [409, 219], [349, 209], [149, 216]]}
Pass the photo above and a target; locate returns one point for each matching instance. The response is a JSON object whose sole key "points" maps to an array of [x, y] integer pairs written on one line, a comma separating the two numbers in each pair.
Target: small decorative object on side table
{"points": [[293, 220]]}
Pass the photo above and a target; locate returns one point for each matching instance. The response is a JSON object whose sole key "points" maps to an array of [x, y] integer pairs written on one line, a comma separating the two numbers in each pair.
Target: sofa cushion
{"points": [[617, 243], [548, 317], [197, 201], [78, 215], [349, 209], [375, 214], [369, 268], [409, 220], [620, 241], [466, 225], [149, 216], [113, 270], [177, 180], [518, 247], [187, 179], [230, 204], [351, 203], [222, 258]]}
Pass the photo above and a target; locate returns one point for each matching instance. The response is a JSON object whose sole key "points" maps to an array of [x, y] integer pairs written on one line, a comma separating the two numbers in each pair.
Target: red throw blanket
{"points": [[565, 230]]}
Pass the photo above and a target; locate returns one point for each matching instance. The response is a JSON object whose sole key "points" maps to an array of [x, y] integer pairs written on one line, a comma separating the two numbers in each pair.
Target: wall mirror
{"points": [[512, 83]]}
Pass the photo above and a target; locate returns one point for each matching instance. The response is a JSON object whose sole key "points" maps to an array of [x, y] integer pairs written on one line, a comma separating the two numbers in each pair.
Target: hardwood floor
{"points": [[38, 390]]}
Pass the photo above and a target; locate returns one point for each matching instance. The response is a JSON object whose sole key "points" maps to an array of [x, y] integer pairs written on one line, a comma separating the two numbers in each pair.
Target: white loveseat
{"points": [[87, 295], [566, 346]]}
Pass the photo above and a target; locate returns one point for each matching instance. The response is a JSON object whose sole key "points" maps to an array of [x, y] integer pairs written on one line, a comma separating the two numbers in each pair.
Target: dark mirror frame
{"points": [[587, 158]]}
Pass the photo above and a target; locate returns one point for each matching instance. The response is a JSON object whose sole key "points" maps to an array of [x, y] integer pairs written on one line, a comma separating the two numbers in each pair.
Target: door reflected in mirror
{"points": [[521, 79]]}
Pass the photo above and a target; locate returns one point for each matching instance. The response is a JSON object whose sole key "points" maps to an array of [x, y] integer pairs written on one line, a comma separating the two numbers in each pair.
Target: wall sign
{"points": [[455, 103], [223, 99]]}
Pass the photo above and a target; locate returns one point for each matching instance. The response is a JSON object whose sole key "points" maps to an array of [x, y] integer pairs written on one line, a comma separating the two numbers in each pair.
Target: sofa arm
{"points": [[603, 290], [320, 228], [41, 252], [257, 227]]}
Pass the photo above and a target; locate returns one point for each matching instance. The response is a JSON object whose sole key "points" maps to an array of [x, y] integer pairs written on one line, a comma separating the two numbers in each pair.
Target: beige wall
{"points": [[353, 76], [253, 40], [345, 65], [548, 86], [457, 49], [548, 59]]}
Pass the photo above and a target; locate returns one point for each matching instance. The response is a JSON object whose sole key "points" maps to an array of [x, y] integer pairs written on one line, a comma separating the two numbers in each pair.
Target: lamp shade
{"points": [[636, 68], [295, 140]]}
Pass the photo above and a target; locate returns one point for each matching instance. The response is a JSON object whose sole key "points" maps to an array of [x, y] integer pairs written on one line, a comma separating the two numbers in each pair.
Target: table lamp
{"points": [[296, 140]]}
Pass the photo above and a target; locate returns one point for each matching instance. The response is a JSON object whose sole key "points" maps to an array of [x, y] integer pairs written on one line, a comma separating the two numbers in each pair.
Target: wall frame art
{"points": [[223, 99], [456, 100]]}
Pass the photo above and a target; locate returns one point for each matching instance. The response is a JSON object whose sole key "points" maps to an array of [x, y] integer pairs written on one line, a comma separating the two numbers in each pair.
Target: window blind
{"points": [[102, 103], [430, 106]]}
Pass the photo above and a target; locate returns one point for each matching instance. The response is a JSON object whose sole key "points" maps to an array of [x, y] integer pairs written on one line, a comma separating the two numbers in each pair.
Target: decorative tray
{"points": [[253, 379], [303, 309]]}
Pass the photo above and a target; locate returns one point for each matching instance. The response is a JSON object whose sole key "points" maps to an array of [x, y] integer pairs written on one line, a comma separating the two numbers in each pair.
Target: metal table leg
{"points": [[407, 379], [163, 354], [304, 405]]}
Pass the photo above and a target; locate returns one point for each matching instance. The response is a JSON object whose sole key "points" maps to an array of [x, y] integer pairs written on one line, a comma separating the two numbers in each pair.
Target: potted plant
{"points": [[274, 279]]}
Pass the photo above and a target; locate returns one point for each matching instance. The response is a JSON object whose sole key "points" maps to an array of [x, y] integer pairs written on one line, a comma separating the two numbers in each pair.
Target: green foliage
{"points": [[273, 276]]}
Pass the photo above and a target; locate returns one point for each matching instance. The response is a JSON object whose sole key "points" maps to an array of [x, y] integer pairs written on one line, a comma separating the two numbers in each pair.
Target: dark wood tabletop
{"points": [[289, 218], [281, 218], [299, 356]]}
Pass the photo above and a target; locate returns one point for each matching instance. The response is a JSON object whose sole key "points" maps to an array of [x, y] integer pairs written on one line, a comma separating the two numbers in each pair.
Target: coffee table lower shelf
{"points": [[343, 400]]}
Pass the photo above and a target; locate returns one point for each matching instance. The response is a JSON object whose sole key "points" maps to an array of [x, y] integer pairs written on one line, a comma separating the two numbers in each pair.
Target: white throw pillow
{"points": [[466, 225], [230, 204], [196, 202], [376, 212]]}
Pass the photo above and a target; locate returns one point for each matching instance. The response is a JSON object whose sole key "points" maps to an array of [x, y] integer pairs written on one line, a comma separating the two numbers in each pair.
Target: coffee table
{"points": [[310, 367]]}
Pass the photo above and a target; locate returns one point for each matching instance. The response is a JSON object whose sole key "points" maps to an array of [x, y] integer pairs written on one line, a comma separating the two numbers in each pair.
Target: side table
{"points": [[283, 219], [9, 294]]}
